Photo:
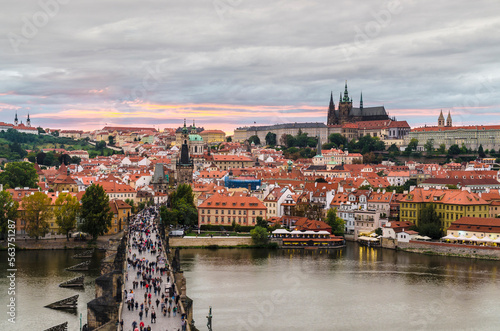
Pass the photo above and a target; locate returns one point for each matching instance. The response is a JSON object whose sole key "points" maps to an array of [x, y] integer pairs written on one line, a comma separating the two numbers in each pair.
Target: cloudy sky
{"points": [[229, 63]]}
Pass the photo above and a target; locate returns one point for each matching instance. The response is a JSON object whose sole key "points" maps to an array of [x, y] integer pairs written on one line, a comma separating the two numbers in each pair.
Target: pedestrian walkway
{"points": [[148, 287]]}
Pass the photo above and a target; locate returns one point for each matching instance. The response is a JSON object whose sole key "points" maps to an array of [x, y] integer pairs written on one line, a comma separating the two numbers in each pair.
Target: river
{"points": [[356, 288], [38, 276]]}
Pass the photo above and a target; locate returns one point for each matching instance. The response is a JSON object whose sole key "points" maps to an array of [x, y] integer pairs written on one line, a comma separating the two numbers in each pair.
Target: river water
{"points": [[38, 276], [356, 288]]}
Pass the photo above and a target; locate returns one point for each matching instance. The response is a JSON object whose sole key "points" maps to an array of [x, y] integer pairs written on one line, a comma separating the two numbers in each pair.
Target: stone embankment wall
{"points": [[388, 243], [206, 241], [102, 312], [470, 251]]}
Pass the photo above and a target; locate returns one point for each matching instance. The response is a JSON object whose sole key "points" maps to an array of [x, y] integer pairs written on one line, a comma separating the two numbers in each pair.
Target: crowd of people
{"points": [[149, 269]]}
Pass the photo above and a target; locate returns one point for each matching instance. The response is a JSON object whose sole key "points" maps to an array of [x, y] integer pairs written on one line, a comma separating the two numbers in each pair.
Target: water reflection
{"points": [[39, 274], [366, 287]]}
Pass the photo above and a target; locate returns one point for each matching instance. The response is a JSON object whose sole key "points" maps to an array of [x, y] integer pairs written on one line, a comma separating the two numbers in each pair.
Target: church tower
{"points": [[448, 120], [15, 120], [332, 117], [361, 103], [345, 106], [441, 119], [184, 164], [28, 121]]}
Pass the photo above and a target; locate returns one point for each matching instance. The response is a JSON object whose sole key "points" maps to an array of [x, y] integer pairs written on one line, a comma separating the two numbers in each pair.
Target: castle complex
{"points": [[346, 113]]}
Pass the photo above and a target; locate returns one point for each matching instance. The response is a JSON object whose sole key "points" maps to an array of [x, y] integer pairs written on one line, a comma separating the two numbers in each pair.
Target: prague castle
{"points": [[346, 113]]}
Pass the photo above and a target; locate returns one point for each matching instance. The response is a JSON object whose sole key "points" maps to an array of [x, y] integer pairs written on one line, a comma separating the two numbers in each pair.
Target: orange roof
{"points": [[238, 158], [454, 197], [220, 201], [449, 128]]}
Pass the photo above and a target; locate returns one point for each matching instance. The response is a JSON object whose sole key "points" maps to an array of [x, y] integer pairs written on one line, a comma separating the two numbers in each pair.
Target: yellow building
{"points": [[213, 136], [450, 205], [121, 210]]}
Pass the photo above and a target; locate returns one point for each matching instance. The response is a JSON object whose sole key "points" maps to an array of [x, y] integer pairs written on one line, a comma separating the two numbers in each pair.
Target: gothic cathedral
{"points": [[346, 113]]}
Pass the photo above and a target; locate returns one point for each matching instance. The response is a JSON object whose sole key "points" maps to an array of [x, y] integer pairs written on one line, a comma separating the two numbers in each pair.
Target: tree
{"points": [[64, 159], [229, 139], [254, 139], [111, 140], [51, 160], [441, 149], [283, 139], [429, 223], [429, 146], [17, 149], [100, 145], [37, 212], [290, 141], [40, 130], [262, 222], [335, 222], [66, 209], [369, 158], [393, 148], [338, 139], [480, 151], [40, 157], [182, 208], [96, 213], [19, 174], [259, 235], [8, 210], [75, 160], [412, 145], [271, 138], [454, 150]]}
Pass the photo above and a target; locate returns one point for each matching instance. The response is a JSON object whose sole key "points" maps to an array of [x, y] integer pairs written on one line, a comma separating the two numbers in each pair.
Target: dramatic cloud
{"points": [[230, 63]]}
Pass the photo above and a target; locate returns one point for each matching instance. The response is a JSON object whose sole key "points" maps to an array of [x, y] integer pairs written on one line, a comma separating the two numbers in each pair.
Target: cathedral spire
{"points": [[340, 100], [361, 102], [331, 106], [346, 94], [15, 119]]}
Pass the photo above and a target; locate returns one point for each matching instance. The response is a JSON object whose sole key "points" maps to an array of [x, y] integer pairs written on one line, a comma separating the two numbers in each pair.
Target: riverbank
{"points": [[208, 242], [23, 243], [455, 250]]}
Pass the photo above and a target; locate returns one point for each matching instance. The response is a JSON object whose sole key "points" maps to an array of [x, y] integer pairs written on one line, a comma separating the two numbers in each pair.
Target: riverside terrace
{"points": [[129, 316]]}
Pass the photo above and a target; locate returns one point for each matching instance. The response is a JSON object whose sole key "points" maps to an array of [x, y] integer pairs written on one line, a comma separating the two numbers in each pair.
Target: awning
{"points": [[450, 237]]}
